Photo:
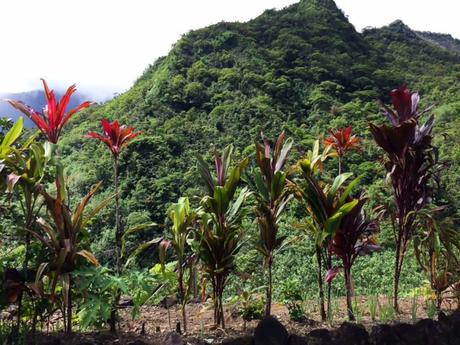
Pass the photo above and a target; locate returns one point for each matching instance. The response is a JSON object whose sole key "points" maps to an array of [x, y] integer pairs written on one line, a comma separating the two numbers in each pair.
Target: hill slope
{"points": [[303, 69]]}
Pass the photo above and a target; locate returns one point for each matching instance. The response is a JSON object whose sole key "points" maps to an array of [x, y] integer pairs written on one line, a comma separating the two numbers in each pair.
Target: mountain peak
{"points": [[320, 4], [400, 27]]}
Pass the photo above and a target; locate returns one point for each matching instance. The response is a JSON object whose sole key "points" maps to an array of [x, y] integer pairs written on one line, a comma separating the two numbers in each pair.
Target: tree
{"points": [[218, 239], [270, 186]]}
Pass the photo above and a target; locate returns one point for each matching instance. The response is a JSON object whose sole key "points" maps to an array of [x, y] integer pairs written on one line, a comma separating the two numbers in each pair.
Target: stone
{"points": [[351, 333], [319, 336], [173, 338], [384, 335], [297, 340], [136, 342], [270, 331], [245, 340]]}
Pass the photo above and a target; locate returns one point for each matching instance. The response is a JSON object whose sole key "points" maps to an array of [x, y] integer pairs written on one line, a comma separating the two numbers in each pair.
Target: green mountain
{"points": [[303, 69]]}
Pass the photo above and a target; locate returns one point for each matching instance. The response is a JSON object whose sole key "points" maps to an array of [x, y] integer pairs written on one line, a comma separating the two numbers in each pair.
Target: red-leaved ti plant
{"points": [[116, 137], [55, 115], [353, 239], [411, 163], [342, 141]]}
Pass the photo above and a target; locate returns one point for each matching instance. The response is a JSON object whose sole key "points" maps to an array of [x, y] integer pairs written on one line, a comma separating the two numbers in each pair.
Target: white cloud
{"points": [[104, 45]]}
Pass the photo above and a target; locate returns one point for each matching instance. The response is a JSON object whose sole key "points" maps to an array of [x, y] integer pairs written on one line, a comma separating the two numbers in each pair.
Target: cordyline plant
{"points": [[54, 116], [178, 237], [63, 237], [326, 205], [270, 186], [341, 142], [354, 238], [436, 248], [218, 239], [27, 166], [116, 137], [410, 161]]}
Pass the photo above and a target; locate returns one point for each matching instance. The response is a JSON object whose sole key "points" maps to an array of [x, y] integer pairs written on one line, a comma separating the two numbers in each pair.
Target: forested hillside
{"points": [[303, 69]]}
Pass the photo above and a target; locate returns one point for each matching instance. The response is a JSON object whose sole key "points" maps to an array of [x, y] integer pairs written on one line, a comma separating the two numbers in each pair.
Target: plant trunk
{"points": [[320, 285], [29, 217], [118, 245], [218, 284], [182, 294], [69, 307], [118, 234], [348, 286], [268, 305], [397, 273], [329, 286]]}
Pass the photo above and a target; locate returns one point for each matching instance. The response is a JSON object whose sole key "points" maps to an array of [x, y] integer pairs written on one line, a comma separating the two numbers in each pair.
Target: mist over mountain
{"points": [[36, 100]]}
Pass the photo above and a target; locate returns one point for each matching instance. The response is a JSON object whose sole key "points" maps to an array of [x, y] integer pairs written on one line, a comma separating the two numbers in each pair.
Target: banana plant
{"points": [[177, 238], [436, 248], [64, 239], [411, 163], [326, 204], [270, 186], [219, 237]]}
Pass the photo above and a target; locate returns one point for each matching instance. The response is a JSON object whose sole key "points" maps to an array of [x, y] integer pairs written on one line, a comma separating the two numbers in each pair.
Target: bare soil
{"points": [[154, 324]]}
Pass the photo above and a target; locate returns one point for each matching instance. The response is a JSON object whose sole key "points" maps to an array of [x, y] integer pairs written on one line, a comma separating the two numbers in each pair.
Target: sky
{"points": [[105, 45]]}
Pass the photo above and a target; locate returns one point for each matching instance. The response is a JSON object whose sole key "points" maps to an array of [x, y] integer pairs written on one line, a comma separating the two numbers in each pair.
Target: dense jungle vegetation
{"points": [[303, 70]]}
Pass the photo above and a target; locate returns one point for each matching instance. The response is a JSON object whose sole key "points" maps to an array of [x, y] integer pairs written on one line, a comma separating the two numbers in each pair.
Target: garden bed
{"points": [[153, 327]]}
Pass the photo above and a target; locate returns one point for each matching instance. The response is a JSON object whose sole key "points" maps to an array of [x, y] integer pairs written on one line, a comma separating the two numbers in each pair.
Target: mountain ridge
{"points": [[303, 69]]}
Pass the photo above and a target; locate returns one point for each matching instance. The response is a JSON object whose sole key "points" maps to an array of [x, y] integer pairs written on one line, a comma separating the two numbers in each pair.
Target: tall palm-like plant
{"points": [[352, 239], [218, 239], [410, 161], [326, 205], [55, 115], [183, 218], [270, 185], [341, 142], [63, 238], [116, 137]]}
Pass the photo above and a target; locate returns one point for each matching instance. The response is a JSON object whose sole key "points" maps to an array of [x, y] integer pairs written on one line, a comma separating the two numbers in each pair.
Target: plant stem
{"points": [[320, 284], [351, 315], [269, 287]]}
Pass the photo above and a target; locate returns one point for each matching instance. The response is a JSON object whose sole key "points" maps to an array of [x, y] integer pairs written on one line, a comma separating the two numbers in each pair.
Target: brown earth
{"points": [[153, 326]]}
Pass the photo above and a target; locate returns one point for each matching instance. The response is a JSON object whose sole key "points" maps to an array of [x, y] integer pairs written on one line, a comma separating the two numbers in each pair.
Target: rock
{"points": [[297, 340], [351, 333], [384, 335], [270, 331], [430, 332], [168, 302], [319, 336], [136, 342], [245, 340], [173, 338], [125, 302]]}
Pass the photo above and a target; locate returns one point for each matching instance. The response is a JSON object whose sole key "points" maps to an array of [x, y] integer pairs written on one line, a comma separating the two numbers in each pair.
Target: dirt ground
{"points": [[154, 323]]}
